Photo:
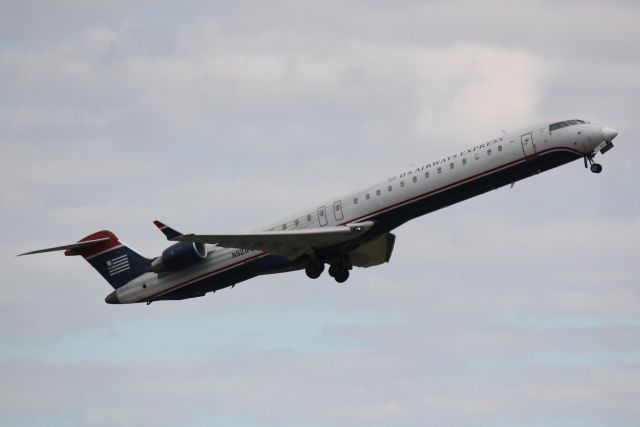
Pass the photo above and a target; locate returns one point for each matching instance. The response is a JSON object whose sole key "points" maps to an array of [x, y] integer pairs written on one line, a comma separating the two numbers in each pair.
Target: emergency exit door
{"points": [[322, 216], [337, 210]]}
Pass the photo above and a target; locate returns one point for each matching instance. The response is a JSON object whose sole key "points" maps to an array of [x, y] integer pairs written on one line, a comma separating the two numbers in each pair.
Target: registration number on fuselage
{"points": [[239, 252]]}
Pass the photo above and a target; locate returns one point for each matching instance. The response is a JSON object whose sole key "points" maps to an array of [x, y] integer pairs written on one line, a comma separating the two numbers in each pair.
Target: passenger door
{"points": [[528, 147]]}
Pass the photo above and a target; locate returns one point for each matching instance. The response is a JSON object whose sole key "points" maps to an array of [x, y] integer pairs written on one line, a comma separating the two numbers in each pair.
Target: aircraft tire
{"points": [[314, 270], [334, 270], [342, 276]]}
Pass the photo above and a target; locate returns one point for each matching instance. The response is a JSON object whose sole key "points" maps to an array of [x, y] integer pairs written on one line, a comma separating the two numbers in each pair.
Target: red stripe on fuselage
{"points": [[205, 275], [453, 184]]}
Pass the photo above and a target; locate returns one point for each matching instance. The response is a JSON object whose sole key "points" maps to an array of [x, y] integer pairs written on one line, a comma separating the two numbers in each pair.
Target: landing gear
{"points": [[342, 276], [339, 272], [595, 167], [338, 269], [314, 270]]}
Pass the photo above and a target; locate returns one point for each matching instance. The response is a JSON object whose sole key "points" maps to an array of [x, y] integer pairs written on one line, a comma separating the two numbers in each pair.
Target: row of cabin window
{"points": [[296, 222], [426, 175]]}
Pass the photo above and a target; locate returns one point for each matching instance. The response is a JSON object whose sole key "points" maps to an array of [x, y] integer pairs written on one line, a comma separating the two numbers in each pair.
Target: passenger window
{"points": [[378, 192], [464, 161], [355, 201], [308, 218], [414, 179], [477, 156], [489, 152], [367, 196], [499, 147], [426, 174], [439, 170], [389, 188], [450, 165], [296, 222]]}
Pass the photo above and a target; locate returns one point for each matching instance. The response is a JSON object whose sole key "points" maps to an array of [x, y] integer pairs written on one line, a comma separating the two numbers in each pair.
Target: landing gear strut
{"points": [[595, 167]]}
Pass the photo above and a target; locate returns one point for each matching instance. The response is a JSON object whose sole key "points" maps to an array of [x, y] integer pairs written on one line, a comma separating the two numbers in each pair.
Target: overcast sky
{"points": [[519, 307]]}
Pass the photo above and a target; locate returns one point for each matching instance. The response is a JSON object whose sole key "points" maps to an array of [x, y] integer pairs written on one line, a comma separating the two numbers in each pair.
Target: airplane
{"points": [[353, 230]]}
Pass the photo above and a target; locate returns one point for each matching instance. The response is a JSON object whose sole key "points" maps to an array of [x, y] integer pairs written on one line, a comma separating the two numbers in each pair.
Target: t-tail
{"points": [[115, 261]]}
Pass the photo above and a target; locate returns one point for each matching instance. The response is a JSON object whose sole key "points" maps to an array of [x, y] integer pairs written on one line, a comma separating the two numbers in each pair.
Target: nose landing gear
{"points": [[595, 167]]}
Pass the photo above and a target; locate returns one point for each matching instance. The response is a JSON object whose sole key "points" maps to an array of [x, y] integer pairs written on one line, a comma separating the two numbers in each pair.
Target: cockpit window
{"points": [[556, 126], [559, 125]]}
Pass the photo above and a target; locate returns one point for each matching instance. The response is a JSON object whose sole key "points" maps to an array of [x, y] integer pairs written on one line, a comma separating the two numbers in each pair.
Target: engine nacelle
{"points": [[179, 256]]}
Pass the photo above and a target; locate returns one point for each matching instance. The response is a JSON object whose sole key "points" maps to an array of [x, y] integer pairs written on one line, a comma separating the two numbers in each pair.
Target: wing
{"points": [[286, 243]]}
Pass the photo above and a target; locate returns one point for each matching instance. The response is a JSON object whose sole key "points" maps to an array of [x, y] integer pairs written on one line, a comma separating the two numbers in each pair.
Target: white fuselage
{"points": [[394, 200]]}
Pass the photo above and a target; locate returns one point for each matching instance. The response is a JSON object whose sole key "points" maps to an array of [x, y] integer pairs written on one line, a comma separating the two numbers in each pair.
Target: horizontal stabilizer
{"points": [[79, 245]]}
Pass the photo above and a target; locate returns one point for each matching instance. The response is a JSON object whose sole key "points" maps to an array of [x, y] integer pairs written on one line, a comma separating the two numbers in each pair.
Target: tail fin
{"points": [[116, 262]]}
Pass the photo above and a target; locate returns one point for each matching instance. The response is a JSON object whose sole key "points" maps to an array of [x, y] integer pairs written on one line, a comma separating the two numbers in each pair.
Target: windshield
{"points": [[560, 125]]}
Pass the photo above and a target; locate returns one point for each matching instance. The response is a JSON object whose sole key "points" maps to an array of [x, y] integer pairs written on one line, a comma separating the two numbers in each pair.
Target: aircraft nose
{"points": [[609, 133], [112, 298]]}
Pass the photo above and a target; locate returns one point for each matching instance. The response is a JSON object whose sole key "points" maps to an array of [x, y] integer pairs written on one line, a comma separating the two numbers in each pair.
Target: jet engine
{"points": [[179, 256]]}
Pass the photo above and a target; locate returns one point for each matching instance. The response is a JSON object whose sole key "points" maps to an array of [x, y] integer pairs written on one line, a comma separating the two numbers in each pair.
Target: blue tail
{"points": [[116, 262]]}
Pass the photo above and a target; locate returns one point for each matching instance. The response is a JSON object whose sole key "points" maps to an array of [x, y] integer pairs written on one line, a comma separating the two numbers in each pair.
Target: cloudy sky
{"points": [[520, 307]]}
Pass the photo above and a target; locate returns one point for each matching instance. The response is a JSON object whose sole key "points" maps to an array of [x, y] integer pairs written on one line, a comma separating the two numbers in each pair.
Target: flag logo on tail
{"points": [[118, 264]]}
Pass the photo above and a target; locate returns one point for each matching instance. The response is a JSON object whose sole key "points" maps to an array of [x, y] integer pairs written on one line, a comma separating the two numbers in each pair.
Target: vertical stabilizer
{"points": [[116, 262]]}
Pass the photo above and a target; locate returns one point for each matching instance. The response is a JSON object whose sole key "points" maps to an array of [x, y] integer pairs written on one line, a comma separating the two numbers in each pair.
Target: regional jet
{"points": [[353, 230]]}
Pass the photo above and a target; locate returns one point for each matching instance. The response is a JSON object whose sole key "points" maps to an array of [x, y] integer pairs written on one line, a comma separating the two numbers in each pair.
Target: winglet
{"points": [[167, 231]]}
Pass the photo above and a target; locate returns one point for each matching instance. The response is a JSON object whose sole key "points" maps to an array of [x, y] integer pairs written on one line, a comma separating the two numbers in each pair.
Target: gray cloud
{"points": [[356, 387], [518, 307]]}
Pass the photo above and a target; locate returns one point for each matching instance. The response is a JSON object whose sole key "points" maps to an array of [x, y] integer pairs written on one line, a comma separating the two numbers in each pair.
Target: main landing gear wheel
{"points": [[342, 276], [596, 168], [339, 273], [314, 270]]}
